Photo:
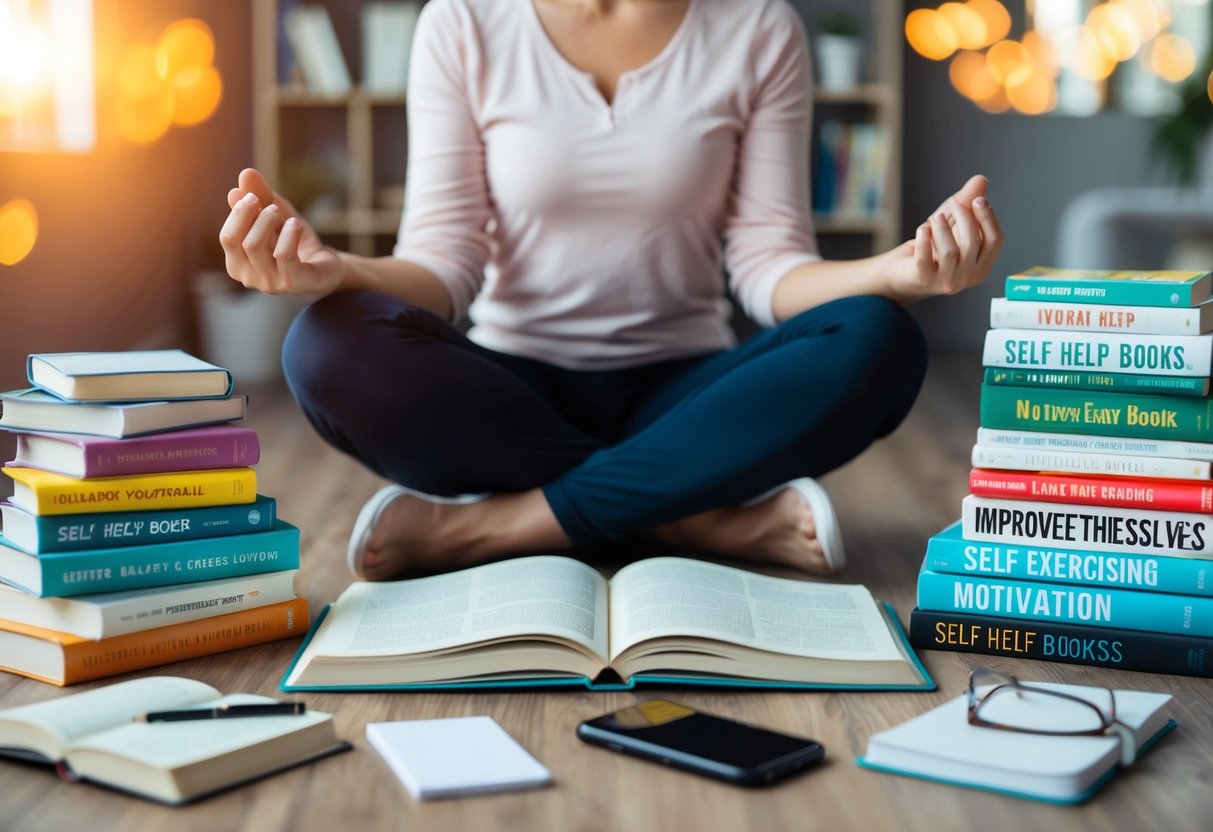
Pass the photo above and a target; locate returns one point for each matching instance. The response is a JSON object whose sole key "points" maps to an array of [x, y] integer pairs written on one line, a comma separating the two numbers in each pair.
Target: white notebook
{"points": [[437, 758]]}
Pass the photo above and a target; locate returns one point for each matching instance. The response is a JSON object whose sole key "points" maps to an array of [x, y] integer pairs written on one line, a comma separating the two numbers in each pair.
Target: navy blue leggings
{"points": [[617, 451]]}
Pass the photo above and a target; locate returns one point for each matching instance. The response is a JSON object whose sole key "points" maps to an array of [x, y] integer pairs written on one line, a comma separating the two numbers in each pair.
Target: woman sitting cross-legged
{"points": [[581, 174]]}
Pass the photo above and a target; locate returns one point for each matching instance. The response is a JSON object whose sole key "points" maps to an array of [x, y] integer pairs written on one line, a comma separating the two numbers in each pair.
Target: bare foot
{"points": [[416, 536], [779, 530]]}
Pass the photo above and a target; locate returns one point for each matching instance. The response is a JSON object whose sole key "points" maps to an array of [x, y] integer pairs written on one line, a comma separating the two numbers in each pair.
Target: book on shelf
{"points": [[1119, 492], [1109, 382], [97, 736], [133, 375], [1081, 462], [316, 48], [1050, 641], [1094, 528], [45, 493], [87, 457], [387, 39], [1117, 288], [990, 437], [552, 621], [109, 614], [64, 659], [852, 165], [1092, 317], [1127, 416], [1110, 352], [83, 572], [36, 410], [949, 551], [78, 532], [942, 746]]}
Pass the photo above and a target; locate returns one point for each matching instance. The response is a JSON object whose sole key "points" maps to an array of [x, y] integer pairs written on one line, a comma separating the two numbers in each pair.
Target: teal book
{"points": [[949, 552], [81, 532], [1129, 416], [67, 574], [130, 375], [548, 621], [1107, 382], [1074, 604], [1117, 288]]}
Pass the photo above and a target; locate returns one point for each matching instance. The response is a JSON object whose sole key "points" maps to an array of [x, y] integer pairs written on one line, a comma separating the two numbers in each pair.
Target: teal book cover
{"points": [[1118, 288]]}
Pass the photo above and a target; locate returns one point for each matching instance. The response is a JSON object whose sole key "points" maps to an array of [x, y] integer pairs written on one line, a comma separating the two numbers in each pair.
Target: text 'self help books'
{"points": [[97, 736], [550, 621], [1086, 536], [941, 745], [125, 553]]}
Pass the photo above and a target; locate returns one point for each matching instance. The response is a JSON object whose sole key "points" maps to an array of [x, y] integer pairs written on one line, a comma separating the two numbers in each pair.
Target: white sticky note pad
{"points": [[437, 758]]}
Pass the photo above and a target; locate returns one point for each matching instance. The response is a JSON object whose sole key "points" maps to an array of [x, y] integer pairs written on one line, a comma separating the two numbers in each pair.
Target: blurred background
{"points": [[123, 123]]}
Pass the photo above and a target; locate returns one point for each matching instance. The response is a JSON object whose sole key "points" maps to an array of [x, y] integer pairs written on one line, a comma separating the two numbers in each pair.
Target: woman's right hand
{"points": [[269, 247]]}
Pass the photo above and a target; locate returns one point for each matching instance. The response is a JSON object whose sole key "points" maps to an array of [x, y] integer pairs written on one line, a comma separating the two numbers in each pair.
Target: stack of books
{"points": [[135, 535], [1086, 536]]}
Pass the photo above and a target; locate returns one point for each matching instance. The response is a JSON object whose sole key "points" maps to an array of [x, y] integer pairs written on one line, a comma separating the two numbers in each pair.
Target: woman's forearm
{"points": [[403, 279], [813, 284]]}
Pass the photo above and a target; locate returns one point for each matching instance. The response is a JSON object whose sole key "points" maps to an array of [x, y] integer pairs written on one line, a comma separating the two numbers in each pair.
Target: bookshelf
{"points": [[360, 136]]}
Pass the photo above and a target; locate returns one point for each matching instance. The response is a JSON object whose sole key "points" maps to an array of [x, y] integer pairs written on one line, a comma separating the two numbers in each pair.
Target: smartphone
{"points": [[676, 735]]}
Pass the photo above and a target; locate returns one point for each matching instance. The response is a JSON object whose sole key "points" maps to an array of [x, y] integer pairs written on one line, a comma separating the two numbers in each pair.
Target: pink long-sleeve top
{"points": [[591, 234]]}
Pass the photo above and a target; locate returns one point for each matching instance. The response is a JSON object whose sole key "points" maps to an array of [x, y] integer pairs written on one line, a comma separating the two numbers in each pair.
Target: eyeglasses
{"points": [[998, 700]]}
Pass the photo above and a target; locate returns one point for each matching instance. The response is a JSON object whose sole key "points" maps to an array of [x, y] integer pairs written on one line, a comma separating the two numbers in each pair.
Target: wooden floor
{"points": [[890, 501]]}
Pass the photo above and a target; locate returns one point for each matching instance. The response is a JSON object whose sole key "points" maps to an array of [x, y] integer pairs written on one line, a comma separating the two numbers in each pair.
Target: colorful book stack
{"points": [[1086, 536], [135, 535]]}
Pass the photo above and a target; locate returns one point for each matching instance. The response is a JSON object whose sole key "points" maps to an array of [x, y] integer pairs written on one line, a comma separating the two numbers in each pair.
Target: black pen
{"points": [[226, 712]]}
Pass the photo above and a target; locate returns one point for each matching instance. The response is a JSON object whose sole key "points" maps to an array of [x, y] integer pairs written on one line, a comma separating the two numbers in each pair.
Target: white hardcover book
{"points": [[1090, 528], [1162, 355], [1170, 448], [1078, 462], [1093, 317], [317, 50], [131, 611]]}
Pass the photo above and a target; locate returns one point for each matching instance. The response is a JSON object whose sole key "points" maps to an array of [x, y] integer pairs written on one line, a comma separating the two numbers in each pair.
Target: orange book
{"points": [[63, 659]]}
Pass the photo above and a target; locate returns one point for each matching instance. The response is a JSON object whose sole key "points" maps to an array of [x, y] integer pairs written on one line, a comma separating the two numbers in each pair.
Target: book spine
{"points": [[989, 437], [1138, 320], [1089, 528], [1034, 349], [77, 532], [166, 453], [1067, 643], [1088, 290], [1102, 414], [122, 654], [145, 492], [107, 570], [1107, 382], [1093, 491], [1080, 604], [1149, 573], [1076, 462]]}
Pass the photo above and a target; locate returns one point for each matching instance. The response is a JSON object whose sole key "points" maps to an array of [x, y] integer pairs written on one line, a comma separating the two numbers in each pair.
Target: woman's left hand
{"points": [[951, 251]]}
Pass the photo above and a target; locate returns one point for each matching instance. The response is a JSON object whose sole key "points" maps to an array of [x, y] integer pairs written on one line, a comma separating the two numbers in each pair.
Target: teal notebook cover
{"points": [[639, 680]]}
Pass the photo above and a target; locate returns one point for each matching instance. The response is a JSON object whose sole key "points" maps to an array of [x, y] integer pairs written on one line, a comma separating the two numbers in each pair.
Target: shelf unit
{"points": [[363, 228]]}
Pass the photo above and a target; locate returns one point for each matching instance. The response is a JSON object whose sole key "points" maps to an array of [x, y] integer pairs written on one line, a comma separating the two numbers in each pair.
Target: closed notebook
{"points": [[132, 375], [37, 410], [78, 455], [436, 758]]}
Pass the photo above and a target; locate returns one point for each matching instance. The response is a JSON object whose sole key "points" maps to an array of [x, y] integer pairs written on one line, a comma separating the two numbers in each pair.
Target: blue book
{"points": [[130, 375], [1038, 601], [66, 574], [81, 532], [949, 551]]}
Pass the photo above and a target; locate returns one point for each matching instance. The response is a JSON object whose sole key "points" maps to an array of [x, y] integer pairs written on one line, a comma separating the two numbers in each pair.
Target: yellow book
{"points": [[44, 493]]}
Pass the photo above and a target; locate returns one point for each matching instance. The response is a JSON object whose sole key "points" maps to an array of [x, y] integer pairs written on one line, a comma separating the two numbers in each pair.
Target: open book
{"points": [[94, 734], [550, 620]]}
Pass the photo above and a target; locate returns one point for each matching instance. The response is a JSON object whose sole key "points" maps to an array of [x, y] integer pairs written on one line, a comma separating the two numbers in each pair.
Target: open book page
{"points": [[679, 597], [71, 718], [542, 595]]}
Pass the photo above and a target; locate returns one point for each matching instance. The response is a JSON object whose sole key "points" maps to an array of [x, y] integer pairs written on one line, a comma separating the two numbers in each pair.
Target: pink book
{"points": [[197, 449]]}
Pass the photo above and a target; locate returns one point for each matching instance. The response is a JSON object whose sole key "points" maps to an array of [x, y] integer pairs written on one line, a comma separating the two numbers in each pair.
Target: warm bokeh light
{"points": [[147, 118], [1116, 30], [185, 45], [1172, 58], [1044, 53], [1010, 62], [1209, 87], [1084, 54], [996, 103], [18, 231], [24, 59], [996, 17], [1034, 95], [970, 28], [1149, 16], [197, 91], [138, 76], [930, 35], [971, 77]]}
